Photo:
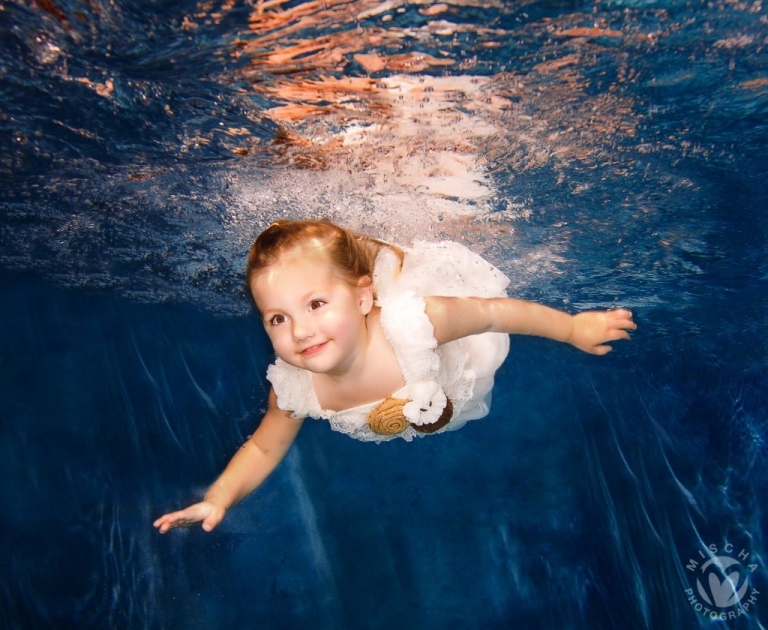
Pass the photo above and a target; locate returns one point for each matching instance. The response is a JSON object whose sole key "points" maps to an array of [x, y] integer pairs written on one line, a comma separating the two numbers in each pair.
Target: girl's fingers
{"points": [[169, 521], [623, 318]]}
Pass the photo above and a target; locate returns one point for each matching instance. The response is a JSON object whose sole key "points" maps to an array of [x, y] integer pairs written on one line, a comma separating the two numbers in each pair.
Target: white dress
{"points": [[461, 370]]}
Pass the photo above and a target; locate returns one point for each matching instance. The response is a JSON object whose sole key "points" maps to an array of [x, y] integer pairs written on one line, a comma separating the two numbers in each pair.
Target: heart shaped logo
{"points": [[723, 588]]}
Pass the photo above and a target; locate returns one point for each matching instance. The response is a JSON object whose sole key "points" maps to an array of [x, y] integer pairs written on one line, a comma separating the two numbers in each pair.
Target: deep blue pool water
{"points": [[600, 154]]}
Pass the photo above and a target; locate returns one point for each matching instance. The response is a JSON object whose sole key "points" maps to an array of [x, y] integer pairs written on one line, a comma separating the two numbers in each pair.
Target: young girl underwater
{"points": [[380, 341]]}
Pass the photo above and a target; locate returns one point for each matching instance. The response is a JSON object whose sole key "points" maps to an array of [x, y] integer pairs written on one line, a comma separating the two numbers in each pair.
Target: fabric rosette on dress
{"points": [[427, 401]]}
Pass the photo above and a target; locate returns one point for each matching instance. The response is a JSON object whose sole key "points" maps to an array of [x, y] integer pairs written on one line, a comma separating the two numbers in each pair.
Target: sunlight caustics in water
{"points": [[522, 103], [599, 153]]}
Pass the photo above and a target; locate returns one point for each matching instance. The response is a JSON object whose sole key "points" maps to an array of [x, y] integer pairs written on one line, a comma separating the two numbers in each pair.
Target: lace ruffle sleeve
{"points": [[294, 391], [411, 334]]}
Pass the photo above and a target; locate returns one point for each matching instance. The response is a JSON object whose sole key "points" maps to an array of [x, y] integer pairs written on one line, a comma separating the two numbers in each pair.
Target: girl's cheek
{"points": [[280, 336], [275, 337]]}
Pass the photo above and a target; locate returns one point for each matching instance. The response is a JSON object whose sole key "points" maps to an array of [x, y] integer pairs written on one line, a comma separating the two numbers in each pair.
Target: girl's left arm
{"points": [[454, 318]]}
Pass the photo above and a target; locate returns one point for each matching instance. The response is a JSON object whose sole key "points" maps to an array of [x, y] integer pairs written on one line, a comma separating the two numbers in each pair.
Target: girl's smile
{"points": [[313, 350]]}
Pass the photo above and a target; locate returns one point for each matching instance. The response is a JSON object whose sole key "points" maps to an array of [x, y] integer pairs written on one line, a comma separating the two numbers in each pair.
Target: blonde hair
{"points": [[352, 255]]}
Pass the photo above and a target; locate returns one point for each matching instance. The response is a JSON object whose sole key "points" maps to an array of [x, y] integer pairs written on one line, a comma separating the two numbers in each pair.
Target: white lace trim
{"points": [[294, 389]]}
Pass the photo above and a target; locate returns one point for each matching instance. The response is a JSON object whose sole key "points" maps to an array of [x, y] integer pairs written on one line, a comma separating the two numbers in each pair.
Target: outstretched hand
{"points": [[204, 512], [593, 329]]}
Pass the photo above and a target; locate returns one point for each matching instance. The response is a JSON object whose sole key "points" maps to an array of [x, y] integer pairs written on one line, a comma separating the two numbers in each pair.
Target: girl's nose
{"points": [[301, 330]]}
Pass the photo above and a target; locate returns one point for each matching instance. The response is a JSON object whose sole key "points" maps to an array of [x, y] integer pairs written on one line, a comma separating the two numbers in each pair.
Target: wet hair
{"points": [[352, 255]]}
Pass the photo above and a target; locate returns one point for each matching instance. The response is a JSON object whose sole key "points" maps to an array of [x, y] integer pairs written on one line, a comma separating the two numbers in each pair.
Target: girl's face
{"points": [[315, 320]]}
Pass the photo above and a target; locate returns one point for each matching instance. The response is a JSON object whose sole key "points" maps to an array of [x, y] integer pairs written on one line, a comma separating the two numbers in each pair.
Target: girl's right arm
{"points": [[249, 467], [590, 331]]}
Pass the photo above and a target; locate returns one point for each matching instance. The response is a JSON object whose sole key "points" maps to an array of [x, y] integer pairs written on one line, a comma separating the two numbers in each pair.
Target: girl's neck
{"points": [[374, 374]]}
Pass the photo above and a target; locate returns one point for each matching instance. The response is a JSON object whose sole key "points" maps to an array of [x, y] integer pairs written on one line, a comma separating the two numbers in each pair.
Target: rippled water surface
{"points": [[600, 154]]}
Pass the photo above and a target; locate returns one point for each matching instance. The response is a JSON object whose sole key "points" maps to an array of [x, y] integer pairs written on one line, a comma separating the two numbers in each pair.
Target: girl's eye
{"points": [[315, 304], [276, 320]]}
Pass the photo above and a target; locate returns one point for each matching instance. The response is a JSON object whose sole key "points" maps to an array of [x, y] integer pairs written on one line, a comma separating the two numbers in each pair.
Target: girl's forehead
{"points": [[297, 269], [310, 252]]}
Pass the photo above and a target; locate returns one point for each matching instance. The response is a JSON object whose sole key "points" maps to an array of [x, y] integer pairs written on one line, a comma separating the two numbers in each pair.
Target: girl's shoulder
{"points": [[294, 390], [429, 269]]}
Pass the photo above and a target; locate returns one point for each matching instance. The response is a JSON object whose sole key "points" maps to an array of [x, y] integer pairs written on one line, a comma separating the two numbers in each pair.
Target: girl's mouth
{"points": [[313, 350]]}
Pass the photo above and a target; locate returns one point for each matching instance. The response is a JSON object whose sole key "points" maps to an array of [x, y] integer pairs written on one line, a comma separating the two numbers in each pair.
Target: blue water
{"points": [[141, 152]]}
